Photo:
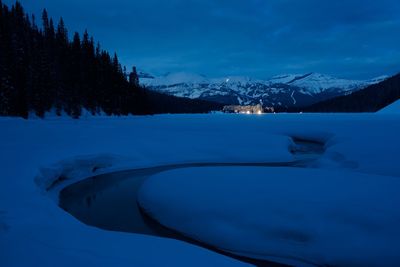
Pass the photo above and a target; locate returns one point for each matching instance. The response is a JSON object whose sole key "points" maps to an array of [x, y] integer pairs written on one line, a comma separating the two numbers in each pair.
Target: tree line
{"points": [[42, 69]]}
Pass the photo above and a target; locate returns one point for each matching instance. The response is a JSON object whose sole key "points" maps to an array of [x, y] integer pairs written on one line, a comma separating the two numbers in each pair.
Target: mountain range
{"points": [[283, 91]]}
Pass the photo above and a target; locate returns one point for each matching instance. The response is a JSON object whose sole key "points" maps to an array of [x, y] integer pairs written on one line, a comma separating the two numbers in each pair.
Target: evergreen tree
{"points": [[45, 21], [62, 33], [134, 78], [41, 70], [51, 32]]}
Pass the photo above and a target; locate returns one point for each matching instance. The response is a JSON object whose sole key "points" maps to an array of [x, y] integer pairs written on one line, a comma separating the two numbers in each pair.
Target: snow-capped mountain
{"points": [[279, 91]]}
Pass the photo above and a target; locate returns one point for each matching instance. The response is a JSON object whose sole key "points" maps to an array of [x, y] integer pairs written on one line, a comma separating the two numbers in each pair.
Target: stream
{"points": [[108, 201]]}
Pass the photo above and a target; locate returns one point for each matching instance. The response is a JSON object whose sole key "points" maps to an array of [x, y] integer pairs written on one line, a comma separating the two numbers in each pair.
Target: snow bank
{"points": [[365, 143], [393, 108], [148, 148], [40, 157], [295, 216], [37, 155]]}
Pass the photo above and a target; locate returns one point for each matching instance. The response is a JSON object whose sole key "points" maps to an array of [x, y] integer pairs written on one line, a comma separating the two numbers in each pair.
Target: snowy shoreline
{"points": [[34, 230], [102, 200]]}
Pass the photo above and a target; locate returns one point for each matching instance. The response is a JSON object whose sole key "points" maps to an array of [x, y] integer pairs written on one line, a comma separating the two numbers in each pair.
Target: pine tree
{"points": [[76, 43], [98, 50], [116, 65], [51, 31], [43, 69], [34, 26], [45, 21], [62, 33], [134, 78], [125, 73]]}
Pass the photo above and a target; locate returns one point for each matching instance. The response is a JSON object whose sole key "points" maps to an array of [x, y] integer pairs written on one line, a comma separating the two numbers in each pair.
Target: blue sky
{"points": [[256, 38]]}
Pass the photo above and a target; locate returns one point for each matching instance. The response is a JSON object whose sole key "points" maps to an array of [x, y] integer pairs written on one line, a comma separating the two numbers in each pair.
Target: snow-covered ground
{"points": [[393, 108], [290, 215], [36, 155]]}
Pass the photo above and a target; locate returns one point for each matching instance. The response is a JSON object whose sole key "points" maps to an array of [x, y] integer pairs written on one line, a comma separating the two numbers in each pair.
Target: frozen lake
{"points": [[360, 155]]}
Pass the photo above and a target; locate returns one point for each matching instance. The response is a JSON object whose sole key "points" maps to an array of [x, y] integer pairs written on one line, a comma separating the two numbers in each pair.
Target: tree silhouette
{"points": [[41, 70]]}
